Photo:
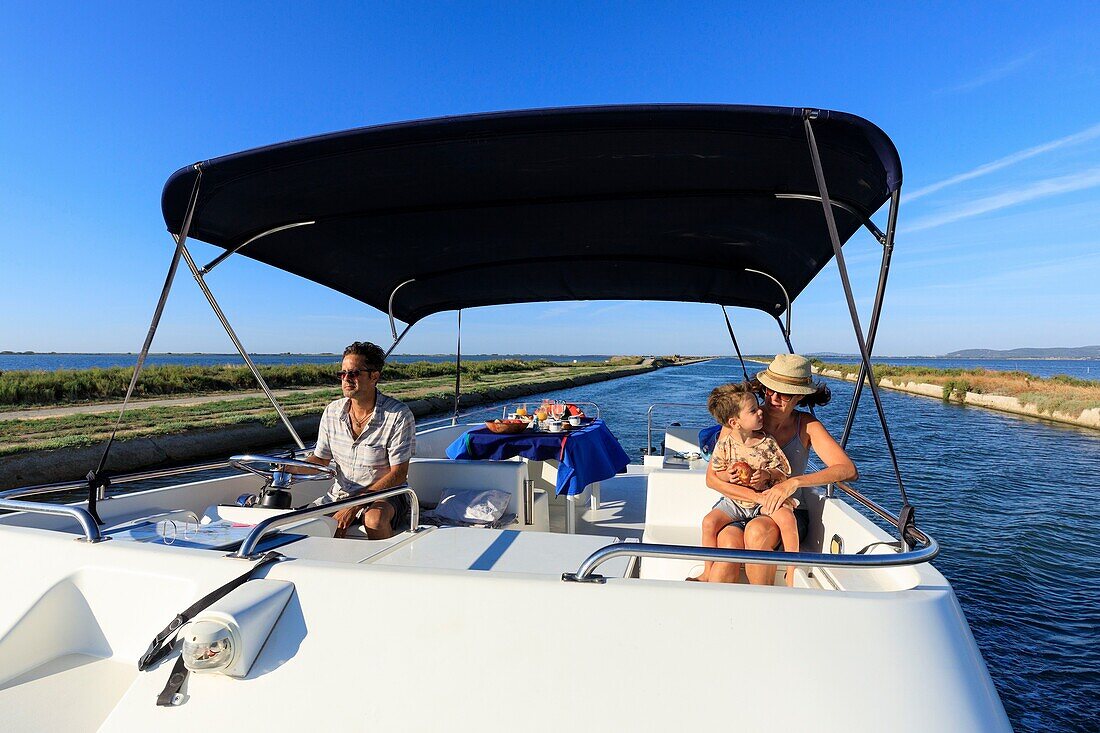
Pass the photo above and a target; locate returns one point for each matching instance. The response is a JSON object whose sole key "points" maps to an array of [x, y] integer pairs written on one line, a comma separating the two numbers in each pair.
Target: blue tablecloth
{"points": [[587, 454]]}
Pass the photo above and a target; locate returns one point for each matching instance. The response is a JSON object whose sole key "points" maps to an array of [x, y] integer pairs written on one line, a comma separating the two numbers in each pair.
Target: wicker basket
{"points": [[506, 428]]}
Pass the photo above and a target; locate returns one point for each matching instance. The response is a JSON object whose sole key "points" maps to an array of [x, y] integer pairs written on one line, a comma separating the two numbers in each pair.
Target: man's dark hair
{"points": [[371, 353]]}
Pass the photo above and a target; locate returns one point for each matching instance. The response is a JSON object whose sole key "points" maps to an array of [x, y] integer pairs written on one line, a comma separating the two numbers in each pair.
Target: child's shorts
{"points": [[739, 514]]}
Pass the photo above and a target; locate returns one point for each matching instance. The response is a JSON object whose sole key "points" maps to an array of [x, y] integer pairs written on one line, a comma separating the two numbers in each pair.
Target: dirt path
{"points": [[43, 412]]}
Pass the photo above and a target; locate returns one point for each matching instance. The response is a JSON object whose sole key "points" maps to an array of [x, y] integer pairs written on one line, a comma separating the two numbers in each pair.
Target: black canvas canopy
{"points": [[646, 202]]}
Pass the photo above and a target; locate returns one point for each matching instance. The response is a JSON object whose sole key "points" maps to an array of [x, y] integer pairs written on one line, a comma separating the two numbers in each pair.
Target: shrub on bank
{"points": [[28, 388]]}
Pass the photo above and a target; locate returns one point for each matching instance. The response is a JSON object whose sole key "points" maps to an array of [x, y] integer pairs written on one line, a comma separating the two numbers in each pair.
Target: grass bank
{"points": [[1056, 397], [26, 435], [88, 386]]}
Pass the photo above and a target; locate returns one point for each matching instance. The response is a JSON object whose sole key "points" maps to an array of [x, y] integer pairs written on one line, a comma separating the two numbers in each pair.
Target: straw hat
{"points": [[788, 374]]}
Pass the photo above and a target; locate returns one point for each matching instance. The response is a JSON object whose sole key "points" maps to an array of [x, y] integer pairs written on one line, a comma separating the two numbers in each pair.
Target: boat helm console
{"points": [[275, 493]]}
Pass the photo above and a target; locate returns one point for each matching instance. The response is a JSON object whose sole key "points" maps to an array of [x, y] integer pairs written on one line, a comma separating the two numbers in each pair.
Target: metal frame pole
{"points": [[237, 342], [458, 369], [834, 237], [876, 311], [729, 327]]}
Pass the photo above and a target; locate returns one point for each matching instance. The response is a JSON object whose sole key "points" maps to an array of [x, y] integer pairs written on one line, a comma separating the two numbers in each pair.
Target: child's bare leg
{"points": [[713, 523], [788, 531]]}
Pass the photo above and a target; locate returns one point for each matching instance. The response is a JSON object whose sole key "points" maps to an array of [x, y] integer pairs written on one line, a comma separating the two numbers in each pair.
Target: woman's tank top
{"points": [[797, 455]]}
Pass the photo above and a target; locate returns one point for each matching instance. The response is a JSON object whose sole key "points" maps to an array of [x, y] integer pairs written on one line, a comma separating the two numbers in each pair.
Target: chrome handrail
{"points": [[649, 420], [449, 420], [585, 573], [883, 513], [64, 486], [81, 515], [247, 550]]}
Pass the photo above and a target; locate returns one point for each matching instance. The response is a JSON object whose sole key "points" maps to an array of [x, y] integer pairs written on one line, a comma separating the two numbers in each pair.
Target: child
{"points": [[736, 409]]}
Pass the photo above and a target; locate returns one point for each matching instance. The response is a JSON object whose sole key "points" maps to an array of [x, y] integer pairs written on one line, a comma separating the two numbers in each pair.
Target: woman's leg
{"points": [[788, 530], [731, 537], [713, 523], [761, 534]]}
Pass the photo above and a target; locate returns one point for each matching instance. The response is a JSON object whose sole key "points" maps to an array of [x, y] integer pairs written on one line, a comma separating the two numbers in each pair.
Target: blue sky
{"points": [[996, 113]]}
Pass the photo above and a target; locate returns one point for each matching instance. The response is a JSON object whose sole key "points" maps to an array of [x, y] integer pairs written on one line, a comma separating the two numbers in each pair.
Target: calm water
{"points": [[1011, 501], [53, 362]]}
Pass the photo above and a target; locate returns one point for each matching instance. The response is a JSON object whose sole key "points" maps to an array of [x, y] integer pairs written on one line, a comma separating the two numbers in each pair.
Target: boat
{"points": [[185, 607]]}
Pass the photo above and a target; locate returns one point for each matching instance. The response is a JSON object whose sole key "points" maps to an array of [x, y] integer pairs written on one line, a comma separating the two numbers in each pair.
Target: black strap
{"points": [[167, 696], [162, 643], [96, 479]]}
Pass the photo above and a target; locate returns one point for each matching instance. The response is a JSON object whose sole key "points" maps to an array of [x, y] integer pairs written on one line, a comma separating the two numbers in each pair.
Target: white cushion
{"points": [[472, 505]]}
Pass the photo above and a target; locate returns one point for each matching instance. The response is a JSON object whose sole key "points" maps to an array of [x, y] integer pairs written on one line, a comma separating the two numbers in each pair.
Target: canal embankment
{"points": [[1064, 400], [62, 443]]}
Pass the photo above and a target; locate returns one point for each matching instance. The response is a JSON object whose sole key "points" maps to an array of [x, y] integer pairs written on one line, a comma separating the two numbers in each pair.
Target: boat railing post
{"points": [[247, 550], [586, 573], [81, 515]]}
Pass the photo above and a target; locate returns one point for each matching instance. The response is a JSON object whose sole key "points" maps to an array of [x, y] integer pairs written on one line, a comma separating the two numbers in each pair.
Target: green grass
{"points": [[24, 435], [1060, 393], [75, 386]]}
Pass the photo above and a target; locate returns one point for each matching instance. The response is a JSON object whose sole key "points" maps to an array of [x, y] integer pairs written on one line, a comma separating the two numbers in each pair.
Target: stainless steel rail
{"points": [[649, 419], [247, 550], [586, 572], [878, 510], [447, 420], [65, 486], [81, 515]]}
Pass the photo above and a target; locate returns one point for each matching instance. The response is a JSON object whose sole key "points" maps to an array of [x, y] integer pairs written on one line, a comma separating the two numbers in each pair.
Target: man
{"points": [[371, 438]]}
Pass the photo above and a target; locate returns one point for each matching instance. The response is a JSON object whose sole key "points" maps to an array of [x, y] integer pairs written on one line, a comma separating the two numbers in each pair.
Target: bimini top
{"points": [[647, 202]]}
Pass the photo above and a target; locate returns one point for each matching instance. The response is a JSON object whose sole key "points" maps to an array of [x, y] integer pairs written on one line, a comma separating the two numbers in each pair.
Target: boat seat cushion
{"points": [[676, 502], [431, 477]]}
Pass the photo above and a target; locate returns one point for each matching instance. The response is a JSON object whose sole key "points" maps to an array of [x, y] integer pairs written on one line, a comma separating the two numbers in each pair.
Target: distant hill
{"points": [[1076, 352]]}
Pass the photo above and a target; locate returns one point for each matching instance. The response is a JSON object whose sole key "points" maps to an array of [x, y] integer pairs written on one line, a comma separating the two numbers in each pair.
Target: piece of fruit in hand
{"points": [[741, 472]]}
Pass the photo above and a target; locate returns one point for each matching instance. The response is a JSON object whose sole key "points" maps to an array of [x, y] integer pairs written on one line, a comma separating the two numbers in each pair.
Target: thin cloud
{"points": [[993, 75], [1037, 190], [1080, 137]]}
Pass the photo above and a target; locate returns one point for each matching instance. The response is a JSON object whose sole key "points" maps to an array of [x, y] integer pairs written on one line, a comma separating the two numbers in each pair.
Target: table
{"points": [[586, 455]]}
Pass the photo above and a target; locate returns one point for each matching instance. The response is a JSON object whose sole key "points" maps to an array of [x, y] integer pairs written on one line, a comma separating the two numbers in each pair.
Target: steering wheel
{"points": [[244, 463]]}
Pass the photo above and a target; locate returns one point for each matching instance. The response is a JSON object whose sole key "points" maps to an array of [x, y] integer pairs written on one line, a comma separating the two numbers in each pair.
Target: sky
{"points": [[994, 108]]}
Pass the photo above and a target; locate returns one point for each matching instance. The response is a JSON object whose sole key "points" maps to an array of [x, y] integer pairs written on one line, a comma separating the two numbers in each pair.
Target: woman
{"points": [[786, 384]]}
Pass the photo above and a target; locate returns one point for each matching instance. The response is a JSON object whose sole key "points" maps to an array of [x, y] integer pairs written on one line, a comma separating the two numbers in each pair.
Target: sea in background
{"points": [[1080, 368], [1010, 499], [53, 362]]}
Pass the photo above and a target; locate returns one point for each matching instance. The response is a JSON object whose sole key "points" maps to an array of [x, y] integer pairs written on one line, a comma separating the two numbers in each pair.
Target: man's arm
{"points": [[394, 476]]}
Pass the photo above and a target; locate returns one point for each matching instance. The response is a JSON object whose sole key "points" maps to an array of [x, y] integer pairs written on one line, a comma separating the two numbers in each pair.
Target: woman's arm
{"points": [[730, 489], [838, 467]]}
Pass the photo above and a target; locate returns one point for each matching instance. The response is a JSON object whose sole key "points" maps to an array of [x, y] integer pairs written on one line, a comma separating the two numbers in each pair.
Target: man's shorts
{"points": [[399, 502]]}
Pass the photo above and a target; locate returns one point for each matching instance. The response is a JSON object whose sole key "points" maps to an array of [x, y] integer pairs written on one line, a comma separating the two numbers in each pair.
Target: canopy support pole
{"points": [[872, 329], [396, 341], [205, 269], [786, 299], [906, 510], [785, 334], [389, 310], [458, 369], [729, 327], [237, 342], [875, 231], [97, 480]]}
